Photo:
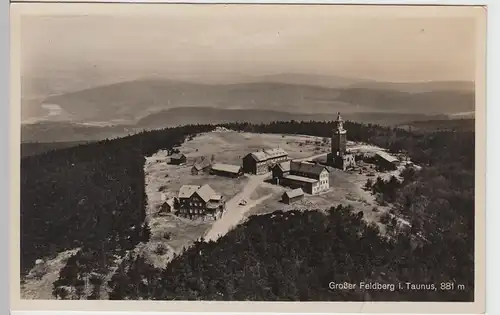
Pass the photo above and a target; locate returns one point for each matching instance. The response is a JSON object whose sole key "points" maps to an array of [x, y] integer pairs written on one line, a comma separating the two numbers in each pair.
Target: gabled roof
{"points": [[386, 156], [177, 156], [267, 154], [307, 168], [259, 156], [276, 152], [201, 164], [187, 191], [226, 168], [169, 202], [284, 166], [294, 193], [206, 192]]}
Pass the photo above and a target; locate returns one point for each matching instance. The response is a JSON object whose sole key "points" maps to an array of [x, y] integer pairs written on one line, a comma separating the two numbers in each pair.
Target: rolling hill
{"points": [[439, 125], [344, 82], [127, 102]]}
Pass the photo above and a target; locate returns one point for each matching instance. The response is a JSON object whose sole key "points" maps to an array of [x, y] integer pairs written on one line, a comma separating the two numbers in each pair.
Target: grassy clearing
{"points": [[170, 234], [346, 188], [230, 147]]}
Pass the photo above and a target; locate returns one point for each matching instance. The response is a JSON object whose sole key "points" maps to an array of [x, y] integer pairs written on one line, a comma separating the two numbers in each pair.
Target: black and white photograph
{"points": [[251, 153]]}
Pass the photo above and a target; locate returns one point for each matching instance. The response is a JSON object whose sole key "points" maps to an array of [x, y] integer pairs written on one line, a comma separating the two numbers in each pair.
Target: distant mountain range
{"points": [[68, 131], [437, 125], [343, 82], [121, 108]]}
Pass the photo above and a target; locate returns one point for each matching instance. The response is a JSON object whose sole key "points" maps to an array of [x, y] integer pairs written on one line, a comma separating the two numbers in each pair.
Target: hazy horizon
{"points": [[337, 48], [231, 42]]}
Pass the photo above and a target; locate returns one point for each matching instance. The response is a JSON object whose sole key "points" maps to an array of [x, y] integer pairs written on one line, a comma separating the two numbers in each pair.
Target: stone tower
{"points": [[339, 138]]}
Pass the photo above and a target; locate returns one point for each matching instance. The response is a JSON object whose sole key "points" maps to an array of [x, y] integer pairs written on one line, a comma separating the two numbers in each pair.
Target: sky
{"points": [[213, 41]]}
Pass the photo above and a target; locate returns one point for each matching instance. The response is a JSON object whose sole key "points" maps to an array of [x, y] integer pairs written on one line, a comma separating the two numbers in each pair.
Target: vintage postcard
{"points": [[248, 158]]}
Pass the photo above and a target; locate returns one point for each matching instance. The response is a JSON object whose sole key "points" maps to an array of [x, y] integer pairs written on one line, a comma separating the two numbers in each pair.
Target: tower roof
{"points": [[339, 118]]}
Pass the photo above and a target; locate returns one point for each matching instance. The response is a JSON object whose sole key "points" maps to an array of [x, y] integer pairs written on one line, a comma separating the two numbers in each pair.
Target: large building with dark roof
{"points": [[311, 178], [260, 162], [196, 201]]}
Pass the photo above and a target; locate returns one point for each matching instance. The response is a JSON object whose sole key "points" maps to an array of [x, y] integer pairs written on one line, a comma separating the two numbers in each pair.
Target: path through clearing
{"points": [[234, 212]]}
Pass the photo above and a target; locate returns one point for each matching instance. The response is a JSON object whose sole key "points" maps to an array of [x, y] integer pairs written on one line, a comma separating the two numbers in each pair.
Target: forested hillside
{"points": [[90, 195], [93, 197], [34, 148], [293, 256]]}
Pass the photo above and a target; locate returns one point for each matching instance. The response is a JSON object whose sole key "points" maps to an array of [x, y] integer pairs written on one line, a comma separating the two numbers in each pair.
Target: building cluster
{"points": [[301, 177], [220, 169]]}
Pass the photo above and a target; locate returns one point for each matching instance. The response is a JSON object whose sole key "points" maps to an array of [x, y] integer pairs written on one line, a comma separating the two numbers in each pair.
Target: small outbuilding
{"points": [[200, 167], [385, 161], [178, 159], [292, 196], [167, 206], [227, 170]]}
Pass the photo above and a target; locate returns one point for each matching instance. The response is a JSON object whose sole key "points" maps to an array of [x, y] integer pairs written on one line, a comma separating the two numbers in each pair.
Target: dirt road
{"points": [[234, 212]]}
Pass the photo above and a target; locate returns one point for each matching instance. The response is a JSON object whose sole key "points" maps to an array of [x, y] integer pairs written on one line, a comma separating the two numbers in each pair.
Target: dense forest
{"points": [[93, 197], [293, 256], [89, 195]]}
